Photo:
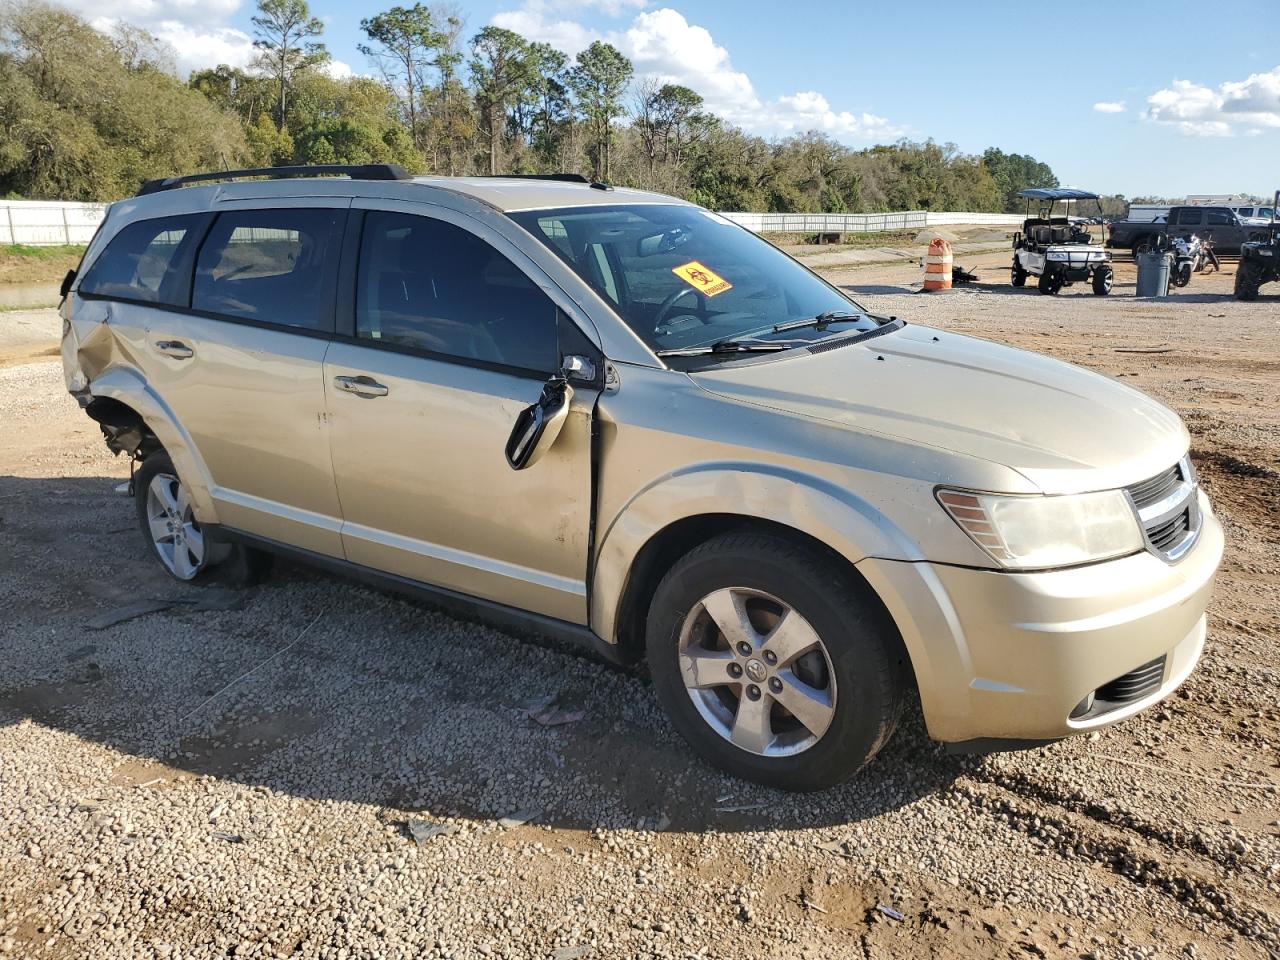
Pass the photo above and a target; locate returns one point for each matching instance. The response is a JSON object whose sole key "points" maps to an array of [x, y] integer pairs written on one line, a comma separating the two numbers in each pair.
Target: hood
{"points": [[1064, 428]]}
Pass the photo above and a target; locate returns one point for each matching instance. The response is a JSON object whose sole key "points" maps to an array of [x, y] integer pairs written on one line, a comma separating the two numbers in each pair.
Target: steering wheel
{"points": [[667, 304]]}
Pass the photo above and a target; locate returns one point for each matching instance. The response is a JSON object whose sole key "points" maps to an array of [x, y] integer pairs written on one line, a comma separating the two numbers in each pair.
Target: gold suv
{"points": [[617, 417]]}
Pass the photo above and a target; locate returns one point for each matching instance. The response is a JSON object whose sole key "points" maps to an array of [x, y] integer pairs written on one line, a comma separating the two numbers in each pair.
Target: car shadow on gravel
{"points": [[322, 689]]}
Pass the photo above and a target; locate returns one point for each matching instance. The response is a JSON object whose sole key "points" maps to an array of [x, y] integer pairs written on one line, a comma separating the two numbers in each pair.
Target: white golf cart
{"points": [[1060, 250]]}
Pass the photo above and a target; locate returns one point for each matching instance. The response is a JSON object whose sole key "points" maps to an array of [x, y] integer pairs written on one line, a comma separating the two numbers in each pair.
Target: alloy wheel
{"points": [[757, 672], [174, 531]]}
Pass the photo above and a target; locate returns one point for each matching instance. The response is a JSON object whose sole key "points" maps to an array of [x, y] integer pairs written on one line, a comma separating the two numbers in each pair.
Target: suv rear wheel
{"points": [[772, 663], [168, 524]]}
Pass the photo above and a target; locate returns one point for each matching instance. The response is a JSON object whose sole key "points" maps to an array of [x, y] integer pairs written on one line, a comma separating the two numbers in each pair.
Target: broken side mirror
{"points": [[67, 281], [539, 425]]}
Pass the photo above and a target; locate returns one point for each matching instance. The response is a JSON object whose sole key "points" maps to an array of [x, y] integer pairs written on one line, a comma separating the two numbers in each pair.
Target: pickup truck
{"points": [[1228, 228]]}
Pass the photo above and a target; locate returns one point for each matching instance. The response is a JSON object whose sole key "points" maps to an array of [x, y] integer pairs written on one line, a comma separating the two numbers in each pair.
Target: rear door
{"points": [[242, 367], [449, 338]]}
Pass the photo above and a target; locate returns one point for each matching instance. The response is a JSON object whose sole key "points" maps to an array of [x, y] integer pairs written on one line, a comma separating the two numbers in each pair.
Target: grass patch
{"points": [[22, 263]]}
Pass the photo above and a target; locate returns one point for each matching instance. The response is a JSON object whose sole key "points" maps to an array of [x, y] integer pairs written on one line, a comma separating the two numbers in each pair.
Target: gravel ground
{"points": [[259, 774]]}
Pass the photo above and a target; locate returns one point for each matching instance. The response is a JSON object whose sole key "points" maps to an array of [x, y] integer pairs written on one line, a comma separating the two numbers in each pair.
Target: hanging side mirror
{"points": [[539, 425]]}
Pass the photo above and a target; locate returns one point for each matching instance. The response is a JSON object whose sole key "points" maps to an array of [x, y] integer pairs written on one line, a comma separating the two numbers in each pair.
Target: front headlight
{"points": [[1056, 255], [1034, 532]]}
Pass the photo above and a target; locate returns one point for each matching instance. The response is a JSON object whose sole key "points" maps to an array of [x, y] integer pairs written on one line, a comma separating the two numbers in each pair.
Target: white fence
{"points": [[47, 222], [863, 222]]}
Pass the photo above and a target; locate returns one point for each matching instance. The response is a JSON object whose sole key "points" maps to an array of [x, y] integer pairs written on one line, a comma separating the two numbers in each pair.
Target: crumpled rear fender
{"points": [[834, 516], [127, 386]]}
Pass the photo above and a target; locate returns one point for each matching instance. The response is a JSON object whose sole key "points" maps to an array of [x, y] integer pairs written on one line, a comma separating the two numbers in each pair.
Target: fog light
{"points": [[1083, 707]]}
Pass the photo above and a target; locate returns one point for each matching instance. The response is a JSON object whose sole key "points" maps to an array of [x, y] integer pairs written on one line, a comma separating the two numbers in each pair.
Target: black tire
{"points": [[1017, 276], [1050, 282], [1182, 274], [1248, 280], [1104, 279], [867, 661], [183, 555], [231, 564]]}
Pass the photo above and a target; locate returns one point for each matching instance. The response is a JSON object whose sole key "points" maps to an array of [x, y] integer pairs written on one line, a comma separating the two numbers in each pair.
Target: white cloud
{"points": [[1201, 111], [149, 13], [662, 44], [199, 47], [339, 70], [1109, 106]]}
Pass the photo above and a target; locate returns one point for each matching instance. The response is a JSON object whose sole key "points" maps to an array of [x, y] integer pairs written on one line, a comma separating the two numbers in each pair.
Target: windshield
{"points": [[682, 277]]}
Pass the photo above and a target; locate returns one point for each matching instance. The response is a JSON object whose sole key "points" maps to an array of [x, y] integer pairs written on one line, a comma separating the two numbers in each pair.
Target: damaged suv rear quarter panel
{"points": [[98, 363]]}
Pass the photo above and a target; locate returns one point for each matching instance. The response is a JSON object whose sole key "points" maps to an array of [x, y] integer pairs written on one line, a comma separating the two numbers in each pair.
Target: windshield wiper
{"points": [[821, 321], [744, 345]]}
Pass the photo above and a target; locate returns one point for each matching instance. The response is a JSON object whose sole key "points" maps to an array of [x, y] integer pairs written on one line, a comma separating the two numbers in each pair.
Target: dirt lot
{"points": [[235, 775]]}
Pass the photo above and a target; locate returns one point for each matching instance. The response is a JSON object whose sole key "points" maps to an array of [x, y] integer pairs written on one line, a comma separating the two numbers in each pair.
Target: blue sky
{"points": [[1135, 98]]}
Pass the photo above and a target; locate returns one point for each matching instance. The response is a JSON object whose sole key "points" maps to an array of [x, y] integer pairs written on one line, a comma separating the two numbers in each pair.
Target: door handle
{"points": [[175, 348], [361, 386]]}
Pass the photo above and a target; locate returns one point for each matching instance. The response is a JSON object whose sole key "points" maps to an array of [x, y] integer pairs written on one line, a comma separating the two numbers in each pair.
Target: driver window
{"points": [[1217, 218], [432, 286]]}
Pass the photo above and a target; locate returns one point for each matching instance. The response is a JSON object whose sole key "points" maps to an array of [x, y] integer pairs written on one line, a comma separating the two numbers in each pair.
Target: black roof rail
{"points": [[561, 177], [362, 171]]}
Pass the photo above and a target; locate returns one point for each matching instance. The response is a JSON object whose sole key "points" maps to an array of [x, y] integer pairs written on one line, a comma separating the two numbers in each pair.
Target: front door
{"points": [[449, 342]]}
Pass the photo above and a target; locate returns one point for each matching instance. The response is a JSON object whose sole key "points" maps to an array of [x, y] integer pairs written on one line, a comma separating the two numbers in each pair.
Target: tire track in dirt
{"points": [[1079, 837]]}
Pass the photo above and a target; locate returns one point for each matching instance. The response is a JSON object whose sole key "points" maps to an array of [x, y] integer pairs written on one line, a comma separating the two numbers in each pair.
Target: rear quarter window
{"points": [[148, 261]]}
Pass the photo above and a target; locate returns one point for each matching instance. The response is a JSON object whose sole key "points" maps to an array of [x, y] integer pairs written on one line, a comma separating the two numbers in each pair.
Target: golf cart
{"points": [[1060, 250], [1259, 260]]}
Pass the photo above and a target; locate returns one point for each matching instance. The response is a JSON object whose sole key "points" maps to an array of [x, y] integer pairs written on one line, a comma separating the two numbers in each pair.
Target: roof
{"points": [[518, 193], [1057, 193]]}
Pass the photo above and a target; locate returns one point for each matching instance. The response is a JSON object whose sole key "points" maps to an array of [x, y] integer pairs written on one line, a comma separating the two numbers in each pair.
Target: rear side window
{"points": [[273, 266], [1190, 218], [148, 261], [432, 286]]}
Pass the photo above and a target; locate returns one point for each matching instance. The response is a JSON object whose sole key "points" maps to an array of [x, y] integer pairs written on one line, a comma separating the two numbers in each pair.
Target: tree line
{"points": [[86, 115]]}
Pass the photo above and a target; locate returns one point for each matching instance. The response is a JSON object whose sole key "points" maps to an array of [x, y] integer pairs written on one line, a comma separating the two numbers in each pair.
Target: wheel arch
{"points": [[121, 400], [673, 516]]}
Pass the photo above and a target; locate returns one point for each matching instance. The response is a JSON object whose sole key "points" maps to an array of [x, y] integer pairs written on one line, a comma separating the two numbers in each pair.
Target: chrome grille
{"points": [[1168, 510], [1157, 488]]}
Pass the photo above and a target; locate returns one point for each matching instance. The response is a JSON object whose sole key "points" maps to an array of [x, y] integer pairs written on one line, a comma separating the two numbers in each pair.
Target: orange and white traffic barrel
{"points": [[937, 265]]}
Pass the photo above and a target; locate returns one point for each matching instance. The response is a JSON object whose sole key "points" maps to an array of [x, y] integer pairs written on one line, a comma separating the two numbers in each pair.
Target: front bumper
{"points": [[1010, 656]]}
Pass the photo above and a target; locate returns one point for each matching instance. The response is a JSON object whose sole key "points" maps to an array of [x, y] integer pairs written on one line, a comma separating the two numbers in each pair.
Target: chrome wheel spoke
{"points": [[811, 706], [706, 668], [791, 638], [728, 609], [182, 564], [159, 527], [195, 542], [752, 729], [162, 487]]}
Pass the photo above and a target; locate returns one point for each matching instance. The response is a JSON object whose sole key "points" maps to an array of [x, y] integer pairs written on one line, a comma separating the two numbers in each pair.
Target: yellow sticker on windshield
{"points": [[702, 279]]}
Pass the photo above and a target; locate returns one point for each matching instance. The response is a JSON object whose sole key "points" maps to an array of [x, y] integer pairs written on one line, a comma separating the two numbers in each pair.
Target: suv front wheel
{"points": [[773, 663]]}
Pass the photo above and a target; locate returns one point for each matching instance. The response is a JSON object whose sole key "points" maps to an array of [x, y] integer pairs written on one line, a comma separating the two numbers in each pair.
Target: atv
{"points": [[1259, 261], [1060, 250]]}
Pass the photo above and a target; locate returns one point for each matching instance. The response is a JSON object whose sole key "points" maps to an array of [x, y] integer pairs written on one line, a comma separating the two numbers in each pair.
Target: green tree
{"points": [[1013, 172], [550, 93], [406, 40], [598, 80], [85, 117], [285, 33], [500, 70]]}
